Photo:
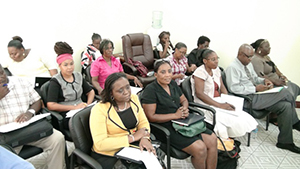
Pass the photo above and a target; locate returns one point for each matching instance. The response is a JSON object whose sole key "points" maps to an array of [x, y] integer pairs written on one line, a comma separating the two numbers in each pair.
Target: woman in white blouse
{"points": [[207, 87], [29, 62]]}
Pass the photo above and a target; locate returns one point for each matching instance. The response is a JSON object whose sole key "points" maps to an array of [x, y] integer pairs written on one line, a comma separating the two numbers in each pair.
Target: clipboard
{"points": [[120, 154]]}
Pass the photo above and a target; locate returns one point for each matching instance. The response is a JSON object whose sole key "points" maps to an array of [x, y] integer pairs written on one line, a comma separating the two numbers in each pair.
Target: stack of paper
{"points": [[136, 154]]}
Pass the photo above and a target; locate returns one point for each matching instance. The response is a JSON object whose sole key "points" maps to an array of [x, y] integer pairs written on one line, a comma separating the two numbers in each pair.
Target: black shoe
{"points": [[292, 147], [297, 126]]}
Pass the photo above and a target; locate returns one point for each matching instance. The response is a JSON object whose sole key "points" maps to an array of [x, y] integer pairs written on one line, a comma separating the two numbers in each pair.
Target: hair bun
{"points": [[253, 45], [17, 38]]}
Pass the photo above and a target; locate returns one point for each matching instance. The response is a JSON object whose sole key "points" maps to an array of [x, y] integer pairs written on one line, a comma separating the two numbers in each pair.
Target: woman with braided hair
{"points": [[28, 62], [67, 87]]}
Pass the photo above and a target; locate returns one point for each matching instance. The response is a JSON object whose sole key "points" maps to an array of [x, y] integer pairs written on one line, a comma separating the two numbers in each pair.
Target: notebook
{"points": [[191, 119]]}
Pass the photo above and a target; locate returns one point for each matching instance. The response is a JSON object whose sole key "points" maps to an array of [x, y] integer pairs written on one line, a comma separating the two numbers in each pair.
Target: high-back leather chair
{"points": [[137, 46]]}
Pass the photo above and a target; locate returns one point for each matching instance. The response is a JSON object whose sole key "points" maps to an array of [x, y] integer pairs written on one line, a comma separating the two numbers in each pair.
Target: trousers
{"points": [[282, 104]]}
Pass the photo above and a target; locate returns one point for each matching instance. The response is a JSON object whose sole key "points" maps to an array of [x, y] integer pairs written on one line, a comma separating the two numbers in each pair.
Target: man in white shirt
{"points": [[242, 79], [18, 103]]}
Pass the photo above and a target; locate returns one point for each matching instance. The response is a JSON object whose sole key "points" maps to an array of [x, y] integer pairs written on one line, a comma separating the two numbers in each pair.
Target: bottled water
{"points": [[254, 133]]}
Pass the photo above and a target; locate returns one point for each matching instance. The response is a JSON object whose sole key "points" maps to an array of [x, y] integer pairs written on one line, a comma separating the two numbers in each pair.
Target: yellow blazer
{"points": [[108, 138]]}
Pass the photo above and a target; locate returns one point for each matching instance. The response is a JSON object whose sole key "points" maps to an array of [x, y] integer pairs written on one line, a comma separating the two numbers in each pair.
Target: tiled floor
{"points": [[262, 154]]}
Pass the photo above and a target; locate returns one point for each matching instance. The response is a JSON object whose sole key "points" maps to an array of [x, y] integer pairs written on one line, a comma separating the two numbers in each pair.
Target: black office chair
{"points": [[81, 136], [258, 114], [56, 118]]}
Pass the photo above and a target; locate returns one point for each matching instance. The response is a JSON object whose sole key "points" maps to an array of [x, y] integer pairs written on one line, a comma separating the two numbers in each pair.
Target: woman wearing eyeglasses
{"points": [[107, 64], [265, 67], [117, 121], [179, 63], [207, 87]]}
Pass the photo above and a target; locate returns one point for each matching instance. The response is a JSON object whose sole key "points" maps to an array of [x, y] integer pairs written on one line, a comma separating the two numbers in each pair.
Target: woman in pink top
{"points": [[106, 65]]}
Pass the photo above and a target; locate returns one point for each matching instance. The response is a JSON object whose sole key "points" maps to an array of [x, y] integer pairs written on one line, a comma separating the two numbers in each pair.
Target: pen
{"points": [[261, 73]]}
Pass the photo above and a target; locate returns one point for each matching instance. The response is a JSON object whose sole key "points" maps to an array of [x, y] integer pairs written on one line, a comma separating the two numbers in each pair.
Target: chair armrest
{"points": [[248, 98], [56, 119], [128, 68], [88, 159], [195, 110], [161, 128], [202, 106], [212, 110]]}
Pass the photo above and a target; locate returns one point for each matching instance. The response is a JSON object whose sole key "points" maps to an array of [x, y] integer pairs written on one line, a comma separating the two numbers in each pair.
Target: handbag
{"points": [[32, 132], [228, 153], [191, 130], [142, 70]]}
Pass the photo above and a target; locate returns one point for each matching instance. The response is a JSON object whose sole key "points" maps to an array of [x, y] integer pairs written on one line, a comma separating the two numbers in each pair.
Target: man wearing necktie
{"points": [[242, 79]]}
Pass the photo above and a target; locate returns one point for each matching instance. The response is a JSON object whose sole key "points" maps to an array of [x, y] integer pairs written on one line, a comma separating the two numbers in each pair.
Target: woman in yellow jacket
{"points": [[117, 121]]}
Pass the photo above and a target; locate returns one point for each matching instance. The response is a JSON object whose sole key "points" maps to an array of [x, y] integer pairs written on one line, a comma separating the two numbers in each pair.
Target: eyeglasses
{"points": [[214, 59], [249, 57]]}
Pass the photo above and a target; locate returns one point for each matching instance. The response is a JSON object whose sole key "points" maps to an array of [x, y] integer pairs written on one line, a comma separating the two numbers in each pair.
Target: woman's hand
{"points": [[24, 117], [137, 82], [182, 113], [146, 144], [143, 132], [80, 105], [193, 67], [227, 106]]}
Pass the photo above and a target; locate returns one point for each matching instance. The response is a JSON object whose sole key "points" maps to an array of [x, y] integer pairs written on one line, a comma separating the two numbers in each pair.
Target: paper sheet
{"points": [[135, 90], [148, 159], [273, 90], [72, 112], [237, 102], [14, 125]]}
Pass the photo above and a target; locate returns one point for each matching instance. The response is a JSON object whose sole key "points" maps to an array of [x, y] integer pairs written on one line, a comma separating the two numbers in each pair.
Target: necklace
{"points": [[124, 107]]}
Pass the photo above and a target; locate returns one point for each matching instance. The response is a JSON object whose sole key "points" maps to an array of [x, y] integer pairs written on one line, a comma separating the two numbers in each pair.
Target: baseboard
{"points": [[298, 104]]}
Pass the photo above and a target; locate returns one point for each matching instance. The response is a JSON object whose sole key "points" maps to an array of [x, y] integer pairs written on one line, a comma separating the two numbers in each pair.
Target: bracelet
{"points": [[148, 138], [132, 137]]}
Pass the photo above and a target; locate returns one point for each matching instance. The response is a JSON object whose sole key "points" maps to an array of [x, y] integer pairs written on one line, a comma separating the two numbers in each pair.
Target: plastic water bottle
{"points": [[254, 133]]}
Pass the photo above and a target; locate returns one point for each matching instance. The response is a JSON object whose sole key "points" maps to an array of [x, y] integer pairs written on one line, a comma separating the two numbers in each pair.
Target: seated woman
{"points": [[163, 101], [106, 65], [164, 47], [207, 84], [117, 121], [264, 67], [91, 53], [179, 63], [67, 87], [29, 62]]}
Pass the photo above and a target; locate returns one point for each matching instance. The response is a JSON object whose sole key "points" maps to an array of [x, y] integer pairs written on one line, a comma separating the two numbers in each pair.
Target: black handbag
{"points": [[32, 132]]}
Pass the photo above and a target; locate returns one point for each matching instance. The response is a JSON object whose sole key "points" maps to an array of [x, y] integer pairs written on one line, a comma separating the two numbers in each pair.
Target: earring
{"points": [[112, 98], [23, 53], [259, 52]]}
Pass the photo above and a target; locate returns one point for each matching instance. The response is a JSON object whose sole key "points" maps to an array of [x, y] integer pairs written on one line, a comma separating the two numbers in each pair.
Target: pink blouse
{"points": [[101, 69]]}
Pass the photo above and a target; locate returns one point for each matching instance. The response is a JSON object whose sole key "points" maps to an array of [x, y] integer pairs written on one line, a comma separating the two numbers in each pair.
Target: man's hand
{"points": [[3, 90], [24, 117]]}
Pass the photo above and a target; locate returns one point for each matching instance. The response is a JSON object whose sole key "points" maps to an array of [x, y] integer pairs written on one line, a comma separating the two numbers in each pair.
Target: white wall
{"points": [[227, 23]]}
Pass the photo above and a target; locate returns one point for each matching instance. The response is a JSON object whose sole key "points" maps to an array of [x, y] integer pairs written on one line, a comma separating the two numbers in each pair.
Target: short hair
{"points": [[104, 44], [96, 36], [257, 43], [16, 42], [106, 93], [160, 62], [206, 53], [180, 45], [202, 40], [62, 47]]}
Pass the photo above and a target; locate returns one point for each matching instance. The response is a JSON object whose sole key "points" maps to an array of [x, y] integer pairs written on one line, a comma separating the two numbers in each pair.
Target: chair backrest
{"points": [[80, 130], [7, 72], [223, 75], [88, 76], [44, 91], [137, 46], [187, 89]]}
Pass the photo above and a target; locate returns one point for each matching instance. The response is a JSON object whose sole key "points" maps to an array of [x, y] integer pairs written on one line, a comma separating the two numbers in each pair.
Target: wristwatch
{"points": [[32, 111]]}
